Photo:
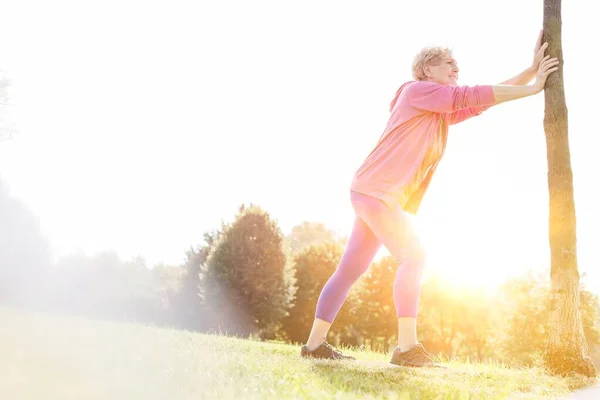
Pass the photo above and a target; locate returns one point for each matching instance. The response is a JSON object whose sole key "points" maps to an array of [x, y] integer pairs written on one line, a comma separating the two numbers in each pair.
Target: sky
{"points": [[144, 124]]}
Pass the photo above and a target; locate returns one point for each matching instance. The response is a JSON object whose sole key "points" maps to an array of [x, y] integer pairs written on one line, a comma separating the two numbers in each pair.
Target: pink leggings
{"points": [[376, 224]]}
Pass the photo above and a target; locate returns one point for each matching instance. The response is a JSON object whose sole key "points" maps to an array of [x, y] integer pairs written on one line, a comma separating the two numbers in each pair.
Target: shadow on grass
{"points": [[379, 378]]}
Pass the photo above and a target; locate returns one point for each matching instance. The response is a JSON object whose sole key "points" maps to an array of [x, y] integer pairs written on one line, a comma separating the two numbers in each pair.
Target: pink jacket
{"points": [[417, 111]]}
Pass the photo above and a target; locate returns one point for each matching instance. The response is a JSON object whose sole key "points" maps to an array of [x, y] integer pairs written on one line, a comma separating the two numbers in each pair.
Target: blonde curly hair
{"points": [[430, 55]]}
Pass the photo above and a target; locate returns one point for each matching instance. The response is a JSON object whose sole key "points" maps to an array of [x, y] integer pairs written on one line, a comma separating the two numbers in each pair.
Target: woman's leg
{"points": [[358, 255], [392, 227]]}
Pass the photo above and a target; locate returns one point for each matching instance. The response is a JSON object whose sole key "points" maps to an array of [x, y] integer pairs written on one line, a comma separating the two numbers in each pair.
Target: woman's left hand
{"points": [[538, 52]]}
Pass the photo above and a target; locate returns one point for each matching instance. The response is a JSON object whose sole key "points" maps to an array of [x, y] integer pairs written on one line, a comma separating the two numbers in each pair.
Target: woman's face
{"points": [[445, 72]]}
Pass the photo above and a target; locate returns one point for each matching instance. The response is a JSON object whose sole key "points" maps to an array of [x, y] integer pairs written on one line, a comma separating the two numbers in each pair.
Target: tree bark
{"points": [[566, 349]]}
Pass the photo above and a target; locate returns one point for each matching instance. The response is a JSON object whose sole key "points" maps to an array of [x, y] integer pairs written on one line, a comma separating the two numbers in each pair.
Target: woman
{"points": [[393, 179]]}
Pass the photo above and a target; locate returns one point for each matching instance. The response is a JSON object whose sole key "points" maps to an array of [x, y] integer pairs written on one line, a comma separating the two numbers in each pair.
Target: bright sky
{"points": [[144, 124]]}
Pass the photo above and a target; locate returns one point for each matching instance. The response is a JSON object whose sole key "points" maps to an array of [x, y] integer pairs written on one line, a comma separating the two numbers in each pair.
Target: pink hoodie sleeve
{"points": [[433, 97], [464, 114]]}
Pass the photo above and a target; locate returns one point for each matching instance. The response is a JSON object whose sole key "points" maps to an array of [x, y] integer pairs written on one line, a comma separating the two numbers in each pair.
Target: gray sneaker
{"points": [[416, 357], [324, 351]]}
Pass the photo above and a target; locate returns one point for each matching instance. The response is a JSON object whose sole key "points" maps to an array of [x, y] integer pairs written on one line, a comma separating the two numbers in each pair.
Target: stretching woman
{"points": [[393, 179]]}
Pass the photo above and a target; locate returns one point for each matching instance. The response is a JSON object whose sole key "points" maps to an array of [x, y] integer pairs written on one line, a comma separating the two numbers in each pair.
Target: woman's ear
{"points": [[427, 71]]}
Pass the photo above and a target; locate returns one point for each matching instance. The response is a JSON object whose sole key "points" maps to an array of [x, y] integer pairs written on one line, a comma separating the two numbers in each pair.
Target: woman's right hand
{"points": [[547, 66]]}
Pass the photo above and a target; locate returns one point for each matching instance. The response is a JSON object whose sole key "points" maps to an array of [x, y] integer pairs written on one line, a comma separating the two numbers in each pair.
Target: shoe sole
{"points": [[329, 359]]}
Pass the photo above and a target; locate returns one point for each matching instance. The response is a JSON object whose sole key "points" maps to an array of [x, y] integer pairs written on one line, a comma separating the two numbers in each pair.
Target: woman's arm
{"points": [[521, 79], [434, 97], [504, 93]]}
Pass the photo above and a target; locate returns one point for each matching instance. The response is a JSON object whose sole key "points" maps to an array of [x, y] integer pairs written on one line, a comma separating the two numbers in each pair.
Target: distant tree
{"points": [[440, 314], [24, 251], [525, 314], [478, 326], [7, 129], [313, 266], [248, 279], [104, 286], [167, 281], [188, 303], [307, 234]]}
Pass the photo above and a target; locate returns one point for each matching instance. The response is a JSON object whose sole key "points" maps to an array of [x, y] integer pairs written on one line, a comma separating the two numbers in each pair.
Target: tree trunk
{"points": [[566, 349]]}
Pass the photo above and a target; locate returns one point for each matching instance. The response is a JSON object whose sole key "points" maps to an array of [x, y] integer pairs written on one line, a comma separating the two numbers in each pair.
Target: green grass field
{"points": [[45, 356]]}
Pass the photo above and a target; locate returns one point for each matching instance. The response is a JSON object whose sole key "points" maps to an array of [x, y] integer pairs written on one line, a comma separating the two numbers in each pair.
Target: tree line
{"points": [[248, 279]]}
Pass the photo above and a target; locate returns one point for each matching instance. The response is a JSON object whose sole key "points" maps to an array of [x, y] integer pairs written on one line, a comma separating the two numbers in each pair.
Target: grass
{"points": [[44, 356]]}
